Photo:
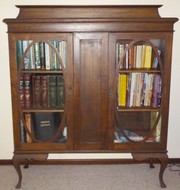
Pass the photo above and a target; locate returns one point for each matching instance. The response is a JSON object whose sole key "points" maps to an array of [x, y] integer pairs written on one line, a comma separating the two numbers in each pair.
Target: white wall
{"points": [[8, 10]]}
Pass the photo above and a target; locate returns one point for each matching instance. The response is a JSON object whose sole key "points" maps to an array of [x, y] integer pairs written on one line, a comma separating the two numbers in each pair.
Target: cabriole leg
{"points": [[161, 157], [19, 158]]}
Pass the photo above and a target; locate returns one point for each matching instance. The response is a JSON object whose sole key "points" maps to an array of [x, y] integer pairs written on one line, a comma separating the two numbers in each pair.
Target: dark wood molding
{"points": [[86, 161]]}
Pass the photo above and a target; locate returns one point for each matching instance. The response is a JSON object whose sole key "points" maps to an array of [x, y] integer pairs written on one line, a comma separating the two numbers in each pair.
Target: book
{"points": [[122, 89], [29, 127], [148, 56], [27, 61], [52, 91], [36, 80], [62, 51], [22, 131], [42, 54], [45, 125], [132, 89], [157, 131], [47, 56], [60, 91], [138, 63], [138, 91], [155, 60], [131, 57], [21, 91], [53, 56], [120, 54], [45, 90], [19, 52], [159, 93], [32, 57], [37, 55], [27, 91]]}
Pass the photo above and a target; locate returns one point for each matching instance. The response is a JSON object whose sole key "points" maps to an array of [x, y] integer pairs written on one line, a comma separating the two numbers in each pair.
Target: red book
{"points": [[27, 91], [44, 90], [36, 91], [21, 91]]}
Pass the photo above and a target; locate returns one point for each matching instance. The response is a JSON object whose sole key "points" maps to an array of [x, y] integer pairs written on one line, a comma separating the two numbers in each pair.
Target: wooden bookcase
{"points": [[90, 79]]}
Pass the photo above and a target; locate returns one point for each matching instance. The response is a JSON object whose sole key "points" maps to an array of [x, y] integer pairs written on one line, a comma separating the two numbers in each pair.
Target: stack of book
{"points": [[40, 55], [139, 89], [136, 56], [42, 91]]}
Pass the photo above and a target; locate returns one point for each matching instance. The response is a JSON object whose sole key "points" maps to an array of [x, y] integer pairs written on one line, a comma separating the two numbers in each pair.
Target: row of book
{"points": [[139, 89], [42, 91], [136, 56], [42, 126], [40, 55], [150, 131], [120, 138]]}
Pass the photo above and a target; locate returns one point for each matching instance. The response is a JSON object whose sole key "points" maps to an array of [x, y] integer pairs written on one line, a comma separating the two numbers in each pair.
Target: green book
{"points": [[52, 91], [19, 52], [60, 91]]}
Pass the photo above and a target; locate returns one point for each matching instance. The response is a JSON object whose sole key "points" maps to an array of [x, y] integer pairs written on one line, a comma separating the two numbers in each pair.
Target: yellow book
{"points": [[143, 56], [122, 89], [148, 56]]}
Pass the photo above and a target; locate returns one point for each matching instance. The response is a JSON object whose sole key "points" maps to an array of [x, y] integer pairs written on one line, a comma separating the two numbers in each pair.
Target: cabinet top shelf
{"points": [[92, 18], [77, 12], [137, 11]]}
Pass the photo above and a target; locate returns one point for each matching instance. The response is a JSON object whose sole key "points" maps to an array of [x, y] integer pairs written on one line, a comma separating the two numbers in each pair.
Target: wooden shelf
{"points": [[141, 70], [137, 109], [41, 110], [41, 71]]}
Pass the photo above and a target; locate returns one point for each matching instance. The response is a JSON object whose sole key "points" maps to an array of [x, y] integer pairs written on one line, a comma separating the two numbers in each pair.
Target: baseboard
{"points": [[86, 161]]}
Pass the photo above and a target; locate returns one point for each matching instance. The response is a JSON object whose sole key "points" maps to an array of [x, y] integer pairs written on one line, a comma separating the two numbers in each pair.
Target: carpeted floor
{"points": [[89, 177]]}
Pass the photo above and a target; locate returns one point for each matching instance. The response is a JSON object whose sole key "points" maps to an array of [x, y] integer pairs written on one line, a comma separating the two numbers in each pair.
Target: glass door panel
{"points": [[42, 68], [138, 88]]}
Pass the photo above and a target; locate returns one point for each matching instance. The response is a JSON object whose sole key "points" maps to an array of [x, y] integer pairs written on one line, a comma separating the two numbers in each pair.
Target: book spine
{"points": [[53, 56], [155, 60], [25, 44], [138, 56], [148, 56], [47, 56], [42, 54], [122, 89], [52, 91], [131, 57], [21, 91], [121, 51], [117, 54], [19, 52], [27, 91], [36, 91], [37, 55], [62, 47], [159, 91], [29, 126], [32, 58], [143, 56], [44, 90], [132, 90], [60, 92], [22, 132]]}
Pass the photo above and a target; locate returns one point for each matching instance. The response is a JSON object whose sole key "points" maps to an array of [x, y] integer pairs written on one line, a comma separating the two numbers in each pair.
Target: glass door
{"points": [[138, 64], [44, 75]]}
